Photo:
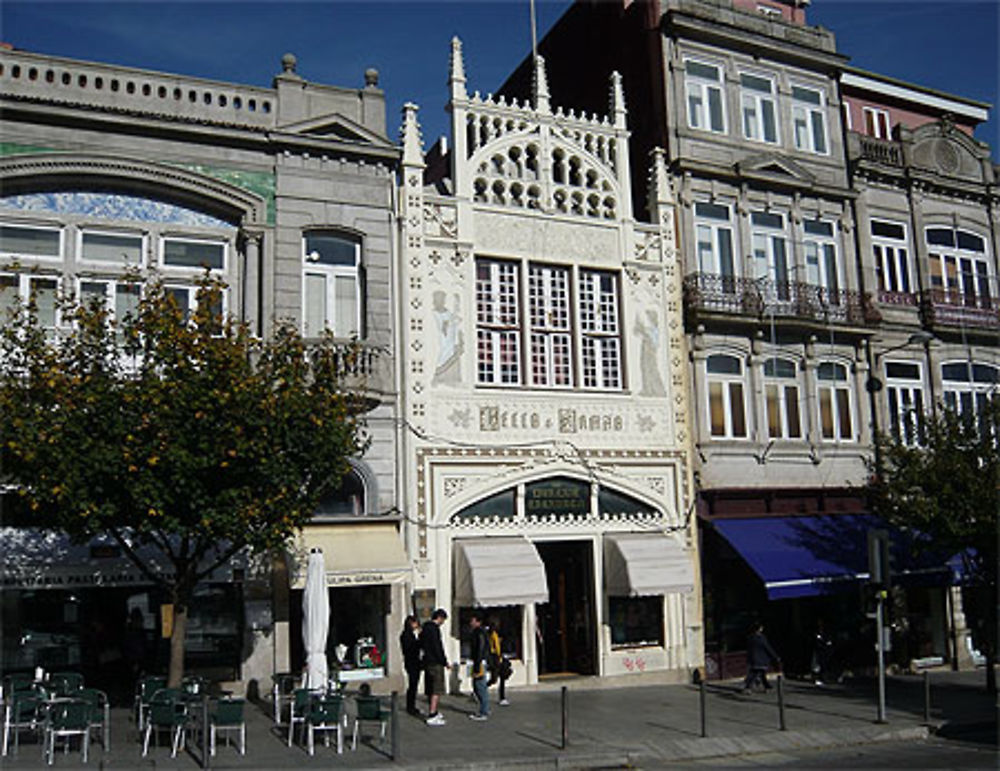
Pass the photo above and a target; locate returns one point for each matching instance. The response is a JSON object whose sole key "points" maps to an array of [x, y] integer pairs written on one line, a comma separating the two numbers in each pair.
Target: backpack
{"points": [[493, 659]]}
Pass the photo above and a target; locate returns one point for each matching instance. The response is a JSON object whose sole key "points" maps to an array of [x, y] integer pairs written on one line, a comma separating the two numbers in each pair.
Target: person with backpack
{"points": [[499, 666]]}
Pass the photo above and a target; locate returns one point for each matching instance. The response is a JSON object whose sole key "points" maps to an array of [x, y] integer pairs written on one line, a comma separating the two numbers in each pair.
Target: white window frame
{"points": [[818, 250], [599, 328], [707, 230], [550, 321], [330, 274], [754, 104], [59, 229], [832, 394], [811, 116], [498, 322], [782, 395], [892, 259], [771, 255], [732, 390], [969, 395], [904, 401], [110, 291], [23, 289], [877, 122], [956, 285], [704, 90], [162, 261], [83, 232], [192, 296]]}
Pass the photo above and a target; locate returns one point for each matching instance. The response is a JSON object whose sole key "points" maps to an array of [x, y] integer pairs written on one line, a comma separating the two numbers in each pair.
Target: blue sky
{"points": [[949, 45]]}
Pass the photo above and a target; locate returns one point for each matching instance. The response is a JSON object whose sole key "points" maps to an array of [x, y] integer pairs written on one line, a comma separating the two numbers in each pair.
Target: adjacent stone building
{"points": [[285, 193], [801, 292]]}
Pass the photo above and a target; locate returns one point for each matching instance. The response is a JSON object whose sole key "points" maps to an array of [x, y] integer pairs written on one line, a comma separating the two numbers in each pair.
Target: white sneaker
{"points": [[477, 716], [437, 719], [504, 703]]}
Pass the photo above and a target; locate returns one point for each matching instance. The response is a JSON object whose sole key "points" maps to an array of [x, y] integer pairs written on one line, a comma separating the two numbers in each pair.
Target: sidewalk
{"points": [[625, 722]]}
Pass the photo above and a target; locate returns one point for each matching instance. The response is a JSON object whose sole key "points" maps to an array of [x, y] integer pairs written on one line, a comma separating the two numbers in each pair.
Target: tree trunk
{"points": [[176, 671]]}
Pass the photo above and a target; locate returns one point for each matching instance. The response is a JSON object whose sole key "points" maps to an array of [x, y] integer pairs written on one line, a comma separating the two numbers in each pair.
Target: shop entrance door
{"points": [[565, 636]]}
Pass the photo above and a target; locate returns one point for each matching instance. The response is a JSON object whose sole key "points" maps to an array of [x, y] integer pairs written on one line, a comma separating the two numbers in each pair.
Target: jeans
{"points": [[482, 692]]}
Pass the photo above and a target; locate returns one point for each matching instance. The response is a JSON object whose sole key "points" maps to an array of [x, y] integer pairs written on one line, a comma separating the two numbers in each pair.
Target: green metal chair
{"points": [[23, 711], [100, 714], [167, 712], [282, 693], [66, 719], [65, 683], [325, 715], [228, 716], [369, 710], [302, 699], [145, 688]]}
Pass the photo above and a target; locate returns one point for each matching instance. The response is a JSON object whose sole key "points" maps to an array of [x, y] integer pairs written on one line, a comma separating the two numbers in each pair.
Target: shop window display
{"points": [[636, 621]]}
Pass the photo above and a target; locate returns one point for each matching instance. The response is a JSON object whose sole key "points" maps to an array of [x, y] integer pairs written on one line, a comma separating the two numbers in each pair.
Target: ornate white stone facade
{"points": [[534, 189]]}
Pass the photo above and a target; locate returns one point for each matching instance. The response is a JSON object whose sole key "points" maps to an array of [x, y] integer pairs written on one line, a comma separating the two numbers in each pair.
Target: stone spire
{"points": [[540, 86], [456, 75], [413, 154], [616, 104], [659, 194]]}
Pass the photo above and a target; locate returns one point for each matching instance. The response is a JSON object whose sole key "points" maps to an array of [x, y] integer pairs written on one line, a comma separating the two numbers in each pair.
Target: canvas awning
{"points": [[498, 571], [645, 564], [355, 554]]}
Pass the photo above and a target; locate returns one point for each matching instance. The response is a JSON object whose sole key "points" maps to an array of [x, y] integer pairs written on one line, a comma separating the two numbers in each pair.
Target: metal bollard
{"points": [[394, 724], [927, 696], [701, 700], [565, 717], [781, 703], [205, 751]]}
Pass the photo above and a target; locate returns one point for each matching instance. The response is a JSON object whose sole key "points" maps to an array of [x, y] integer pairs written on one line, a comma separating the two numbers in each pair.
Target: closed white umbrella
{"points": [[315, 620]]}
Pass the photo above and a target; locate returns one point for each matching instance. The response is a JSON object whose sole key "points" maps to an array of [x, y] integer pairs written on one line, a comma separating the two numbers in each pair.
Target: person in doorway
{"points": [[435, 663], [479, 655], [760, 655], [499, 666], [134, 643], [409, 642]]}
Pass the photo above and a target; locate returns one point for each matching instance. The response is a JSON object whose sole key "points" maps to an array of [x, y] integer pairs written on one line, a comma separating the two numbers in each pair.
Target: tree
{"points": [[180, 435], [945, 490]]}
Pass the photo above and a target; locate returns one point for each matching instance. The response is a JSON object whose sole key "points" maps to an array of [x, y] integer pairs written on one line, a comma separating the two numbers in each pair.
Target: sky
{"points": [[948, 45]]}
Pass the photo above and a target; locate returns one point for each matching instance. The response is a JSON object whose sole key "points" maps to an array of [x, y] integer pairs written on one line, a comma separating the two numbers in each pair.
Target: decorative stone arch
{"points": [[368, 481], [561, 471], [48, 172]]}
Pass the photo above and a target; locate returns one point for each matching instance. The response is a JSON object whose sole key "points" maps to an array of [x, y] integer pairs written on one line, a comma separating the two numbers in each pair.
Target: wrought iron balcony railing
{"points": [[761, 297], [952, 308]]}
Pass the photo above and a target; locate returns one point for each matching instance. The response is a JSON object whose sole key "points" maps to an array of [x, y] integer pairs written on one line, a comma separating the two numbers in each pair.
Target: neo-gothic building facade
{"points": [[546, 424]]}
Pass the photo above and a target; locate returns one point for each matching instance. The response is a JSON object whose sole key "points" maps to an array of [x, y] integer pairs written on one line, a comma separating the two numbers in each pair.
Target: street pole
{"points": [[880, 648]]}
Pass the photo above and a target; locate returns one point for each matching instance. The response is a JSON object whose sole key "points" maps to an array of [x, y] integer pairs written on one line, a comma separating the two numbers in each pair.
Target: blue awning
{"points": [[808, 556]]}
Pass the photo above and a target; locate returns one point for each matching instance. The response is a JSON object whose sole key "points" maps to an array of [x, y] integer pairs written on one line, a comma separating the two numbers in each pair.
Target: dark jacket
{"points": [[412, 650], [479, 653], [430, 639], [760, 654]]}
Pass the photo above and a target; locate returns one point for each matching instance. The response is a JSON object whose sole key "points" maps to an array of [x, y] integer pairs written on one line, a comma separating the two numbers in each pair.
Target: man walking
{"points": [[435, 663], [760, 654], [480, 650]]}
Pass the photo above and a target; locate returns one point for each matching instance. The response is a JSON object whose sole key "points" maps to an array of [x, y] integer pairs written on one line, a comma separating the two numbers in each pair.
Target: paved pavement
{"points": [[633, 722]]}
